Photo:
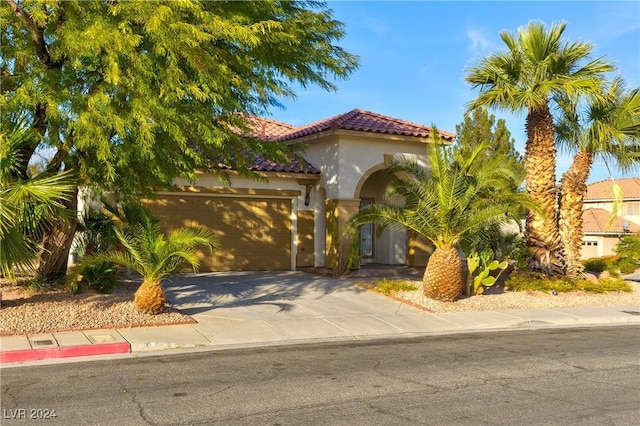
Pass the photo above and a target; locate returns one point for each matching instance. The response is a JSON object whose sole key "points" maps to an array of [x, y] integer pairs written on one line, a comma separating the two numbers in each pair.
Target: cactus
{"points": [[482, 278]]}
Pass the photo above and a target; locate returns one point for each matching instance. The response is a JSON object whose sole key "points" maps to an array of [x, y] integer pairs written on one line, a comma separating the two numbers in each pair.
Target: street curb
{"points": [[64, 352]]}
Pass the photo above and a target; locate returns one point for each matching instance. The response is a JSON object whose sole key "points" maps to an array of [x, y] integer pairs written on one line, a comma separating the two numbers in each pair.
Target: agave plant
{"points": [[154, 255], [445, 204]]}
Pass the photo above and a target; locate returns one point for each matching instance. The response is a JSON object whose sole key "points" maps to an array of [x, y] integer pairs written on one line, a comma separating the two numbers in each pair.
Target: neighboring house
{"points": [[297, 218], [600, 239]]}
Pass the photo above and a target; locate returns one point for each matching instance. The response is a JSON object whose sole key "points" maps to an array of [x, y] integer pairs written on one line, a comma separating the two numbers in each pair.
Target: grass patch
{"points": [[387, 286], [605, 285], [529, 281]]}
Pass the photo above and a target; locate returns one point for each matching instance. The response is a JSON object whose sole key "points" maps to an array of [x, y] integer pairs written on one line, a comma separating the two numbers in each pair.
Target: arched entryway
{"points": [[388, 247]]}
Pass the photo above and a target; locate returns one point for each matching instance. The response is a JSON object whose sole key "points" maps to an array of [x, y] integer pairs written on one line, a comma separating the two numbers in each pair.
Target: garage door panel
{"points": [[253, 233]]}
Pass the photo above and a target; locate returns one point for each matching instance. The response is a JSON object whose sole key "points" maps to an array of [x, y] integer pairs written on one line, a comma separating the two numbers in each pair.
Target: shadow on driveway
{"points": [[198, 293]]}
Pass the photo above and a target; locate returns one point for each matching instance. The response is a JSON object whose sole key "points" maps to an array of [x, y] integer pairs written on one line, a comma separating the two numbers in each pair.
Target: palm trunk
{"points": [[543, 238], [57, 242], [150, 297], [573, 188], [443, 276]]}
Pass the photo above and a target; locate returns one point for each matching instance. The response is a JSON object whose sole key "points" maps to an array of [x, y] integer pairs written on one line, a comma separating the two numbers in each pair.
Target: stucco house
{"points": [[296, 219], [600, 240]]}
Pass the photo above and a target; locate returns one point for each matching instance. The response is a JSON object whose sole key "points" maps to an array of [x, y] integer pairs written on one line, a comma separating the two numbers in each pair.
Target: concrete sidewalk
{"points": [[247, 309]]}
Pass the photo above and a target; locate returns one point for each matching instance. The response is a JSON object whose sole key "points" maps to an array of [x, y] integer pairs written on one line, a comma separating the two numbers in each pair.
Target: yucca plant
{"points": [[154, 255], [445, 204]]}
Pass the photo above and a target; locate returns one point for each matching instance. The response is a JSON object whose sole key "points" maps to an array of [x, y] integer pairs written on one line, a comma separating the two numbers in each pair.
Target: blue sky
{"points": [[414, 55]]}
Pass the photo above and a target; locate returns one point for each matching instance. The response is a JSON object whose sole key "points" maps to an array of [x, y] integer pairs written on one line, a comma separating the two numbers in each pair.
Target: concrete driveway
{"points": [[257, 308], [261, 307]]}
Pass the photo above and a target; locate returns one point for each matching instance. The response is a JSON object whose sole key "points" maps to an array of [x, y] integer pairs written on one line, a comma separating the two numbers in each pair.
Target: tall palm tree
{"points": [[25, 201], [154, 255], [537, 67], [444, 203], [608, 127]]}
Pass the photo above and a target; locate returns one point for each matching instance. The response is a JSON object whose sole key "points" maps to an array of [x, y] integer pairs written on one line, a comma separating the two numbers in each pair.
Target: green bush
{"points": [[101, 277], [605, 285], [629, 246], [387, 286], [528, 281], [532, 281], [595, 265], [627, 265]]}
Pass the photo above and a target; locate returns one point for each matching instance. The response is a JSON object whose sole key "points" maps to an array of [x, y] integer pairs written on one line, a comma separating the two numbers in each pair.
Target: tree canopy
{"points": [[537, 68], [130, 95], [477, 127], [133, 94]]}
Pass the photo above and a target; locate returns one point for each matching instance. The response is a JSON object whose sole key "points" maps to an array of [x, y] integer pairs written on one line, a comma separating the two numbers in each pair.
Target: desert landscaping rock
{"points": [[27, 312], [523, 300]]}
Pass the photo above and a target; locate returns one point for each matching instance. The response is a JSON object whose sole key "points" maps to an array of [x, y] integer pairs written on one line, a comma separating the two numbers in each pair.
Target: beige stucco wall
{"points": [[351, 165], [346, 161], [344, 158], [606, 244], [608, 206]]}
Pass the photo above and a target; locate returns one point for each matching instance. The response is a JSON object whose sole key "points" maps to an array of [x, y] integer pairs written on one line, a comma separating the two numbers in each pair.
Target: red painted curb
{"points": [[64, 352]]}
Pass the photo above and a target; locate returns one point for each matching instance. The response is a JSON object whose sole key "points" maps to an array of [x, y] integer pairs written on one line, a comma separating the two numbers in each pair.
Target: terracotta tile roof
{"points": [[594, 221], [602, 190], [264, 165], [261, 164], [268, 129], [366, 121]]}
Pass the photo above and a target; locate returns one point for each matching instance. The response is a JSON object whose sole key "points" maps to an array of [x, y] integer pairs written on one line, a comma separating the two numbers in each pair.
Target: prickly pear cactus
{"points": [[482, 278]]}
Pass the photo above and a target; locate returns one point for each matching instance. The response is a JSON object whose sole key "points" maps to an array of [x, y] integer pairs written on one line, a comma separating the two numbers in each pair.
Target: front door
{"points": [[367, 245]]}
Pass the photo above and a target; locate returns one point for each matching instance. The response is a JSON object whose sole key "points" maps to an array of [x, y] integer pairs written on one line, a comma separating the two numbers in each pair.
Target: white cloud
{"points": [[617, 19], [479, 41], [377, 26]]}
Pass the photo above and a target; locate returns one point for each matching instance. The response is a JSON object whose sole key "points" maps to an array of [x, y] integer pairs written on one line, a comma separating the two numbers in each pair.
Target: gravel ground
{"points": [[523, 300], [26, 312]]}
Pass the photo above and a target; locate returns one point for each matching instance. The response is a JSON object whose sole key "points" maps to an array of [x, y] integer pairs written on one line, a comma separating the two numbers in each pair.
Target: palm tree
{"points": [[536, 68], [445, 204], [25, 202], [155, 255], [609, 127]]}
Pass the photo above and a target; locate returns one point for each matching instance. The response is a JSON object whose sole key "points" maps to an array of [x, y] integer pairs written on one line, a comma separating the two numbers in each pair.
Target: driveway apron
{"points": [[260, 307]]}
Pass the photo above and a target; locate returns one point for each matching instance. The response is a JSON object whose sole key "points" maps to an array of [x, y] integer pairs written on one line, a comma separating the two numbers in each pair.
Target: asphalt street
{"points": [[587, 376]]}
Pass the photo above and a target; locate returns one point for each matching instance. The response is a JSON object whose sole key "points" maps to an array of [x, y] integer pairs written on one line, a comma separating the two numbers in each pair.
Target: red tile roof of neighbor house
{"points": [[595, 220], [603, 190]]}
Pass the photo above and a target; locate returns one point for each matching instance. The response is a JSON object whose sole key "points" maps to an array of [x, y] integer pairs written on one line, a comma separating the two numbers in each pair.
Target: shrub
{"points": [[532, 281], [101, 277], [538, 282], [595, 265], [605, 285], [387, 287], [627, 265], [629, 246]]}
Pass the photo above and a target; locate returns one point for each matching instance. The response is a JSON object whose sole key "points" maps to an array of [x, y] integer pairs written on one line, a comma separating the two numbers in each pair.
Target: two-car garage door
{"points": [[254, 233]]}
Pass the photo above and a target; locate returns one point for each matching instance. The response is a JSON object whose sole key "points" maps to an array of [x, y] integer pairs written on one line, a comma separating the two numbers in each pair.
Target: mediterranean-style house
{"points": [[599, 239], [297, 218]]}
